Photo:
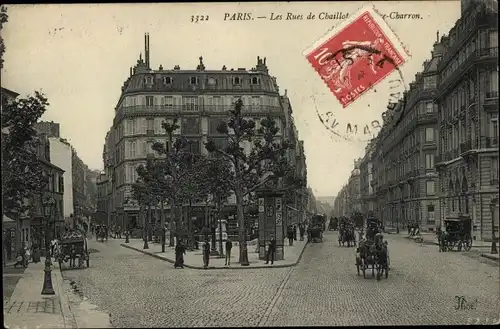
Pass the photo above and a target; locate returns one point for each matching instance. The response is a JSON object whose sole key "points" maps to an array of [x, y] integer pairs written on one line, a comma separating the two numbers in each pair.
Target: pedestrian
{"points": [[290, 234], [271, 249], [302, 231], [229, 246], [206, 253], [72, 256], [53, 243], [180, 251]]}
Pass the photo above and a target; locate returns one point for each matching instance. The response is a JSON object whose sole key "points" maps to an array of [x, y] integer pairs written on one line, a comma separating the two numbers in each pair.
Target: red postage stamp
{"points": [[356, 55]]}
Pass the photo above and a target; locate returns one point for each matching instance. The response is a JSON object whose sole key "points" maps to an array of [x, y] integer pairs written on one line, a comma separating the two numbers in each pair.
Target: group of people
{"points": [[180, 251], [292, 231], [413, 229]]}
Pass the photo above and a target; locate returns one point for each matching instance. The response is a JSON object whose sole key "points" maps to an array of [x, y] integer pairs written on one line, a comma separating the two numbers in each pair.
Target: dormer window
{"points": [[167, 80], [236, 80], [255, 80], [194, 80], [149, 80]]}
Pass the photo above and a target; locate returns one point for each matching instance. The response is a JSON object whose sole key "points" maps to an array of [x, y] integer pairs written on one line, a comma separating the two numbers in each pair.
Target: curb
{"points": [[219, 268], [490, 257]]}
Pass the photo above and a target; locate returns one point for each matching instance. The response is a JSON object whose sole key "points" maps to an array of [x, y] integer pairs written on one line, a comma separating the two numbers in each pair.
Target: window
{"points": [[132, 146], [191, 126], [190, 103], [194, 146], [168, 80], [236, 80], [430, 187], [61, 184], [255, 80], [150, 124], [494, 128], [430, 82], [168, 101], [130, 127], [51, 183], [213, 124], [217, 103], [429, 107], [429, 134], [430, 213], [149, 80], [493, 84], [149, 101], [494, 170], [493, 36], [144, 150], [429, 161], [150, 147], [194, 80]]}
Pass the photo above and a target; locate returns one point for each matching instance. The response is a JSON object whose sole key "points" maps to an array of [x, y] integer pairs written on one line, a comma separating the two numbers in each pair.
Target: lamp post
{"points": [[48, 289], [494, 250]]}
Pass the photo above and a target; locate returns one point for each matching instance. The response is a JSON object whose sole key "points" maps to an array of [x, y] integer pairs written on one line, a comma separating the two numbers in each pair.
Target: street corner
{"points": [[494, 257]]}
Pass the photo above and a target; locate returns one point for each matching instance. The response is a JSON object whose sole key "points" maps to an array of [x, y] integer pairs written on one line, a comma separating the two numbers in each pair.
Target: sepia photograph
{"points": [[250, 164]]}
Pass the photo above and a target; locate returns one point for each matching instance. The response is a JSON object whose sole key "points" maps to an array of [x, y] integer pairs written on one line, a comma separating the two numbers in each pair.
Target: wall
{"points": [[60, 155]]}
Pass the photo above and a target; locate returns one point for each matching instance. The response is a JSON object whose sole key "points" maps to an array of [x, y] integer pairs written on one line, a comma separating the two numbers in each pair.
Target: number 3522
{"points": [[199, 18]]}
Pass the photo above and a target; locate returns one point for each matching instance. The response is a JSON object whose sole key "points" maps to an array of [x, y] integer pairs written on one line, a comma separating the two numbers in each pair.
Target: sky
{"points": [[80, 55]]}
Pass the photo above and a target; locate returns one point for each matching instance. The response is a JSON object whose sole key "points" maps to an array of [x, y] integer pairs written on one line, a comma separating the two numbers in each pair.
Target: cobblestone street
{"points": [[323, 289]]}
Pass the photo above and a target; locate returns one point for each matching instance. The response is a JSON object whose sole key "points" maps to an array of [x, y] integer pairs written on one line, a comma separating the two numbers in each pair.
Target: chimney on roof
{"points": [[437, 36], [146, 49]]}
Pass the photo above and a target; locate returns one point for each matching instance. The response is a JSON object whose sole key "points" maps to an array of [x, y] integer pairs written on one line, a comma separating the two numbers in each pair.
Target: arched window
{"points": [[465, 188]]}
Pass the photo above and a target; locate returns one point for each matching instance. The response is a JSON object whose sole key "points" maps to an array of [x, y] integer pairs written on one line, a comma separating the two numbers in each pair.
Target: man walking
{"points": [[271, 249], [206, 253], [290, 235], [229, 246], [302, 230]]}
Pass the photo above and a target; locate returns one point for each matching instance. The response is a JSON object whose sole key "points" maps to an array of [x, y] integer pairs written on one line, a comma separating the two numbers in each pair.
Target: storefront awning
{"points": [[7, 219]]}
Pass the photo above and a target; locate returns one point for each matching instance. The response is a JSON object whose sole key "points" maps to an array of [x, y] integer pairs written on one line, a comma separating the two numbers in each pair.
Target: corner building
{"points": [[468, 120], [201, 99]]}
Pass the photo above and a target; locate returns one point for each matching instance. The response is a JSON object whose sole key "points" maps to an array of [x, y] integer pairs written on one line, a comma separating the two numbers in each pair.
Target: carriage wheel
{"points": [[468, 244]]}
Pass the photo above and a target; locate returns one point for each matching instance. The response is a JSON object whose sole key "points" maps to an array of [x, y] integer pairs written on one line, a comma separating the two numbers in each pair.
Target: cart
{"points": [[457, 234], [73, 240]]}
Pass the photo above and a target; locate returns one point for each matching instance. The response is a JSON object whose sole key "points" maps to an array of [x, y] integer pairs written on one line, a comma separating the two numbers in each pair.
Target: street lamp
{"points": [[494, 250], [48, 289]]}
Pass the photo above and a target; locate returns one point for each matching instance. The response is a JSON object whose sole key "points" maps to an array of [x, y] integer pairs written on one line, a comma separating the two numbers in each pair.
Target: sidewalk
{"points": [[194, 259], [27, 308]]}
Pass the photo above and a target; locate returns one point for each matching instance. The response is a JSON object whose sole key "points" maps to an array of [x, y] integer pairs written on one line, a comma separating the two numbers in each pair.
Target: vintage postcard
{"points": [[250, 164]]}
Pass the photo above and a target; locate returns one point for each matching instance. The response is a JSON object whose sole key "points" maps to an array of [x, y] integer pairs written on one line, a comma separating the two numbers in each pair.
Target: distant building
{"points": [[61, 156], [50, 129]]}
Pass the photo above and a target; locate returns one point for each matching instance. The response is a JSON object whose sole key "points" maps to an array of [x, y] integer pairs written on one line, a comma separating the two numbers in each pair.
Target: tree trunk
{"points": [[221, 250], [162, 228], [239, 212], [190, 225], [150, 216]]}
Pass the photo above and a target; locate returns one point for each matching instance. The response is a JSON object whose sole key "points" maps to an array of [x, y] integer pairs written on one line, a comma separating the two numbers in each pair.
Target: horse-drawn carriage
{"points": [[373, 252], [333, 224], [73, 246], [316, 228], [346, 233], [457, 233]]}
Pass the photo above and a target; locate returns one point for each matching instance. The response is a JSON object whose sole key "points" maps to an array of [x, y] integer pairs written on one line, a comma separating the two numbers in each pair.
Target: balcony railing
{"points": [[484, 53], [193, 108]]}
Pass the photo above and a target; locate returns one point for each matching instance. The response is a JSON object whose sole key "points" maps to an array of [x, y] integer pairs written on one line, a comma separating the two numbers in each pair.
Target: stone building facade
{"points": [[468, 122], [201, 98]]}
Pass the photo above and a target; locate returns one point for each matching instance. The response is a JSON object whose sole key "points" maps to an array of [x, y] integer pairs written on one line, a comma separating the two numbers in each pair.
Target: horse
{"points": [[381, 259], [346, 234]]}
